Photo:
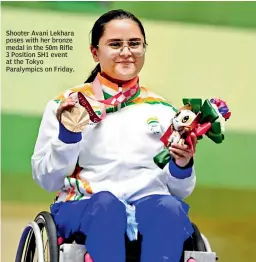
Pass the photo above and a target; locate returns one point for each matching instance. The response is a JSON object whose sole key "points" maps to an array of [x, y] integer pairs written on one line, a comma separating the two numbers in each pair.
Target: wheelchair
{"points": [[39, 243]]}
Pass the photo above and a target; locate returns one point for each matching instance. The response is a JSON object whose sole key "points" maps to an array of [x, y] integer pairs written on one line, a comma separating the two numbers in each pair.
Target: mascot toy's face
{"points": [[182, 119]]}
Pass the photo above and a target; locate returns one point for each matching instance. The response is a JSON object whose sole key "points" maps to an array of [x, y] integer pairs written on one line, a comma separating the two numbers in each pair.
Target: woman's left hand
{"points": [[183, 153]]}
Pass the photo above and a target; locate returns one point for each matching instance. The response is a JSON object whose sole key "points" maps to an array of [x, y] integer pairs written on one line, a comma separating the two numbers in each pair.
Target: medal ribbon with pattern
{"points": [[99, 100]]}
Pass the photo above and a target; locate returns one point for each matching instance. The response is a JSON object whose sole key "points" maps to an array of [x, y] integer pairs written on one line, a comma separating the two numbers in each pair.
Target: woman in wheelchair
{"points": [[101, 159]]}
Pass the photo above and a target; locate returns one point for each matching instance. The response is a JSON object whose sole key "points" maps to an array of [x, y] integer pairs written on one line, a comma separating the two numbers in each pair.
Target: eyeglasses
{"points": [[137, 48]]}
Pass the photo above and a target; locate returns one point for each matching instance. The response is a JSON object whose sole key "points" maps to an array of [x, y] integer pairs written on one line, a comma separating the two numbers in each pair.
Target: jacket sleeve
{"points": [[181, 181], [56, 151]]}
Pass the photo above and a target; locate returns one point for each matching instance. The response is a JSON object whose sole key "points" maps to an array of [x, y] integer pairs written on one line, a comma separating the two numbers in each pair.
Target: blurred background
{"points": [[196, 49]]}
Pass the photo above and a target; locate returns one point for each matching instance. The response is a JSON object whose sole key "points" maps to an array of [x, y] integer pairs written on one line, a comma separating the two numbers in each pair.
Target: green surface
{"points": [[234, 14], [18, 136], [62, 6], [20, 187], [219, 165]]}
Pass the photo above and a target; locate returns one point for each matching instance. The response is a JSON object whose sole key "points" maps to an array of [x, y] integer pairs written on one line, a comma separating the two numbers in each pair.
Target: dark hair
{"points": [[99, 27]]}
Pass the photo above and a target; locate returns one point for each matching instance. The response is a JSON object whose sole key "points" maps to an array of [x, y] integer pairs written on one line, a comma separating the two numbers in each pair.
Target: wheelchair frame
{"points": [[196, 248]]}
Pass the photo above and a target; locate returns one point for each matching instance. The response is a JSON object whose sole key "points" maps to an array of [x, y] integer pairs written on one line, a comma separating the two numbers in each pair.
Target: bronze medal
{"points": [[75, 119]]}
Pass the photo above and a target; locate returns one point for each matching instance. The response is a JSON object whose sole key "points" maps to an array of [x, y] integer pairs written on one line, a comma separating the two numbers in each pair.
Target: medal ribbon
{"points": [[119, 98]]}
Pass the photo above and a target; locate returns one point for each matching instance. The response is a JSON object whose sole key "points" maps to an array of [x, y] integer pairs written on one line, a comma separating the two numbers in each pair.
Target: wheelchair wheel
{"points": [[39, 240], [198, 241], [194, 243]]}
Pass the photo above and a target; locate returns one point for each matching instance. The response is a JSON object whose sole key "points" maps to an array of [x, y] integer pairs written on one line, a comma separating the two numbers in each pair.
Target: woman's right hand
{"points": [[66, 105]]}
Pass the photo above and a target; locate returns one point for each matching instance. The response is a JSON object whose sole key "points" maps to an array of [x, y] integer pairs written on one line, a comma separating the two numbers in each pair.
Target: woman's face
{"points": [[120, 63]]}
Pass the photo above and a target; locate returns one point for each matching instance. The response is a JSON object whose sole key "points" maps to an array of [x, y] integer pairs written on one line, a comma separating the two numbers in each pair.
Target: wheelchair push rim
{"points": [[33, 246]]}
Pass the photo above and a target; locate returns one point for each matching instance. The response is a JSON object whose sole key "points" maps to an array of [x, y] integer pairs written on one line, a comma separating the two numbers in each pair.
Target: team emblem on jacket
{"points": [[154, 125]]}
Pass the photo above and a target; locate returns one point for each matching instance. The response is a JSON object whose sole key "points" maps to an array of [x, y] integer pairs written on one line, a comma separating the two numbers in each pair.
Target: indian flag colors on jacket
{"points": [[115, 154]]}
